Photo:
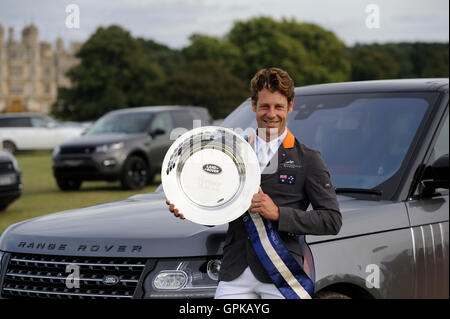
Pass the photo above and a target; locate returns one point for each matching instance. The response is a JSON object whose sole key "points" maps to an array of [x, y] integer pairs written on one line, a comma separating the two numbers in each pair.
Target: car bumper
{"points": [[9, 193], [95, 167]]}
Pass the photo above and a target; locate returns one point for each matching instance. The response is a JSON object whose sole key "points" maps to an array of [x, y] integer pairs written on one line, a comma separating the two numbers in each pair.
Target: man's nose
{"points": [[271, 112]]}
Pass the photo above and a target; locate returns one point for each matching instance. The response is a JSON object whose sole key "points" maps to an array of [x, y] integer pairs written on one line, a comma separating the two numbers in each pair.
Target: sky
{"points": [[171, 22]]}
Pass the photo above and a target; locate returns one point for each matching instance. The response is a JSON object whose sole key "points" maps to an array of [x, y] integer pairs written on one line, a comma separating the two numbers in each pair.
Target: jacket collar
{"points": [[288, 142]]}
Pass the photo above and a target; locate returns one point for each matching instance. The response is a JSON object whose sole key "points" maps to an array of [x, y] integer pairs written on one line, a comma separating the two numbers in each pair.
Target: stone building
{"points": [[31, 71]]}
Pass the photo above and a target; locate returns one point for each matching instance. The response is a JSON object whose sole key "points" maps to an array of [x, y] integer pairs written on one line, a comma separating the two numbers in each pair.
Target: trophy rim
{"points": [[240, 153]]}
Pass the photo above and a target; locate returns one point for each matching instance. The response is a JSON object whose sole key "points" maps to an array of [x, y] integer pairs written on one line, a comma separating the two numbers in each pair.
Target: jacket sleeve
{"points": [[325, 218]]}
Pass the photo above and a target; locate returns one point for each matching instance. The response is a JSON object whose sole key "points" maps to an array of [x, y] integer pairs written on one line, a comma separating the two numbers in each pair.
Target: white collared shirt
{"points": [[262, 148]]}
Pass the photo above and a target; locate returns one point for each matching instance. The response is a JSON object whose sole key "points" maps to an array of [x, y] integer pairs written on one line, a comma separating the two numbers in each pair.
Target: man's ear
{"points": [[254, 105], [291, 106]]}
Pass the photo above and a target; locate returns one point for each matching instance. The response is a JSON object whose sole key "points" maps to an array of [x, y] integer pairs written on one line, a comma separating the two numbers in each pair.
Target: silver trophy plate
{"points": [[210, 174]]}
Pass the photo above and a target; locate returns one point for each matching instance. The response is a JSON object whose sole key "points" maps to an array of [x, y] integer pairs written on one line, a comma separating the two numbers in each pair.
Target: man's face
{"points": [[272, 110]]}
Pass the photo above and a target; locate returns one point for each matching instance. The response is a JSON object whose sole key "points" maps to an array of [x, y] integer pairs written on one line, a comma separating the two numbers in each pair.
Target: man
{"points": [[300, 177]]}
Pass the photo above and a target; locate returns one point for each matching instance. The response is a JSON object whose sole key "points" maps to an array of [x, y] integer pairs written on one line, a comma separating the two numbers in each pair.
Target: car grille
{"points": [[41, 276], [6, 167], [82, 169], [77, 150]]}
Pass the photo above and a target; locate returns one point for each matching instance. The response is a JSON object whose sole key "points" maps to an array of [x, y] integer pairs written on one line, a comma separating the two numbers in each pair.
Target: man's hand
{"points": [[262, 204], [174, 210]]}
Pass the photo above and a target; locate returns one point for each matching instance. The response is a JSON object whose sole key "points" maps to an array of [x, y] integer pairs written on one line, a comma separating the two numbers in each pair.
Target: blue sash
{"points": [[286, 273]]}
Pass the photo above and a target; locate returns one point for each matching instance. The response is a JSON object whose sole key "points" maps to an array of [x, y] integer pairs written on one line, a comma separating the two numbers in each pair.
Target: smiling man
{"points": [[264, 248], [272, 101]]}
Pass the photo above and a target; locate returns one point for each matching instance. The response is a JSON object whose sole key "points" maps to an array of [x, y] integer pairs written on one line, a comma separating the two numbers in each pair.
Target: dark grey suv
{"points": [[386, 144], [127, 144]]}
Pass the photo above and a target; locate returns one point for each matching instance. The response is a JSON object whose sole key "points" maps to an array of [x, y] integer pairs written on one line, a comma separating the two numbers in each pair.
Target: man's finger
{"points": [[178, 214], [260, 191], [257, 197], [174, 210]]}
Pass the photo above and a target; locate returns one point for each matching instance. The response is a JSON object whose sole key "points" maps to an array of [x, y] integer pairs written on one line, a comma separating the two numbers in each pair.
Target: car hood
{"points": [[98, 139], [141, 226], [135, 227]]}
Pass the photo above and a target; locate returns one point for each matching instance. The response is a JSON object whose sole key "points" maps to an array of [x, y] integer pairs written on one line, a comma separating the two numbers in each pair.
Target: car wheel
{"points": [[134, 173], [9, 147], [330, 295], [68, 184]]}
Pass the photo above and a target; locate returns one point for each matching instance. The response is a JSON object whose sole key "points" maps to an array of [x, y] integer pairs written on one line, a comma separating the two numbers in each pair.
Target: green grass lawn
{"points": [[41, 195]]}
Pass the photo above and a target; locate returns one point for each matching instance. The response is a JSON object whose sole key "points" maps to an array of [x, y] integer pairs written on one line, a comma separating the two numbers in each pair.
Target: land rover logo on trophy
{"points": [[110, 280], [212, 169]]}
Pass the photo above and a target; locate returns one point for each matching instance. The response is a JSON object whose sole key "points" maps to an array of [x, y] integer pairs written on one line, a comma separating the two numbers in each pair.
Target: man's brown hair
{"points": [[273, 79]]}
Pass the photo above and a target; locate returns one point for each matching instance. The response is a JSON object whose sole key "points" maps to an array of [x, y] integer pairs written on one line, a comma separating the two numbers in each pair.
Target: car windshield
{"points": [[363, 138], [128, 123]]}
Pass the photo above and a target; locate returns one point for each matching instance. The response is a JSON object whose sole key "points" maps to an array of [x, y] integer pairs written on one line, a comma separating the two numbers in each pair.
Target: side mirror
{"points": [[158, 131], [435, 176], [51, 125]]}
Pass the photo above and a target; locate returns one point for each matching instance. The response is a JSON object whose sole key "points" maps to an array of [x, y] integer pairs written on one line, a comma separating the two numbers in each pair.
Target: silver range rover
{"points": [[386, 145]]}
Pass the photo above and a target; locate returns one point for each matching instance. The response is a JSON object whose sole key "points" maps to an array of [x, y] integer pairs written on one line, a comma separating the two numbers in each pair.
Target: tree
{"points": [[307, 52], [169, 60], [208, 48], [202, 83], [437, 66], [329, 55], [412, 59], [118, 71], [401, 53], [262, 44], [368, 64], [113, 73]]}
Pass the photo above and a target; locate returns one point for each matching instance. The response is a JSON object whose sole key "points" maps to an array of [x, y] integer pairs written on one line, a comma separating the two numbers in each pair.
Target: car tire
{"points": [[9, 147], [134, 173], [68, 184], [330, 295]]}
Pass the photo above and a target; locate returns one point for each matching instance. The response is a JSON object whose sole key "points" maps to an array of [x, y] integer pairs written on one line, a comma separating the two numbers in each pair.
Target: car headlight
{"points": [[188, 278], [56, 151], [1, 258], [14, 162], [15, 165], [109, 147]]}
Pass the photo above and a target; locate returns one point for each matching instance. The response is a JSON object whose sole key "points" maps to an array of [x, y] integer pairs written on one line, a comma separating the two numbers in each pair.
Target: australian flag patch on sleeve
{"points": [[287, 179]]}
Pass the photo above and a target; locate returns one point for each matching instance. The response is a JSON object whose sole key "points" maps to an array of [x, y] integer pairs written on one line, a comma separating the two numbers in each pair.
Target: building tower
{"points": [[32, 85]]}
